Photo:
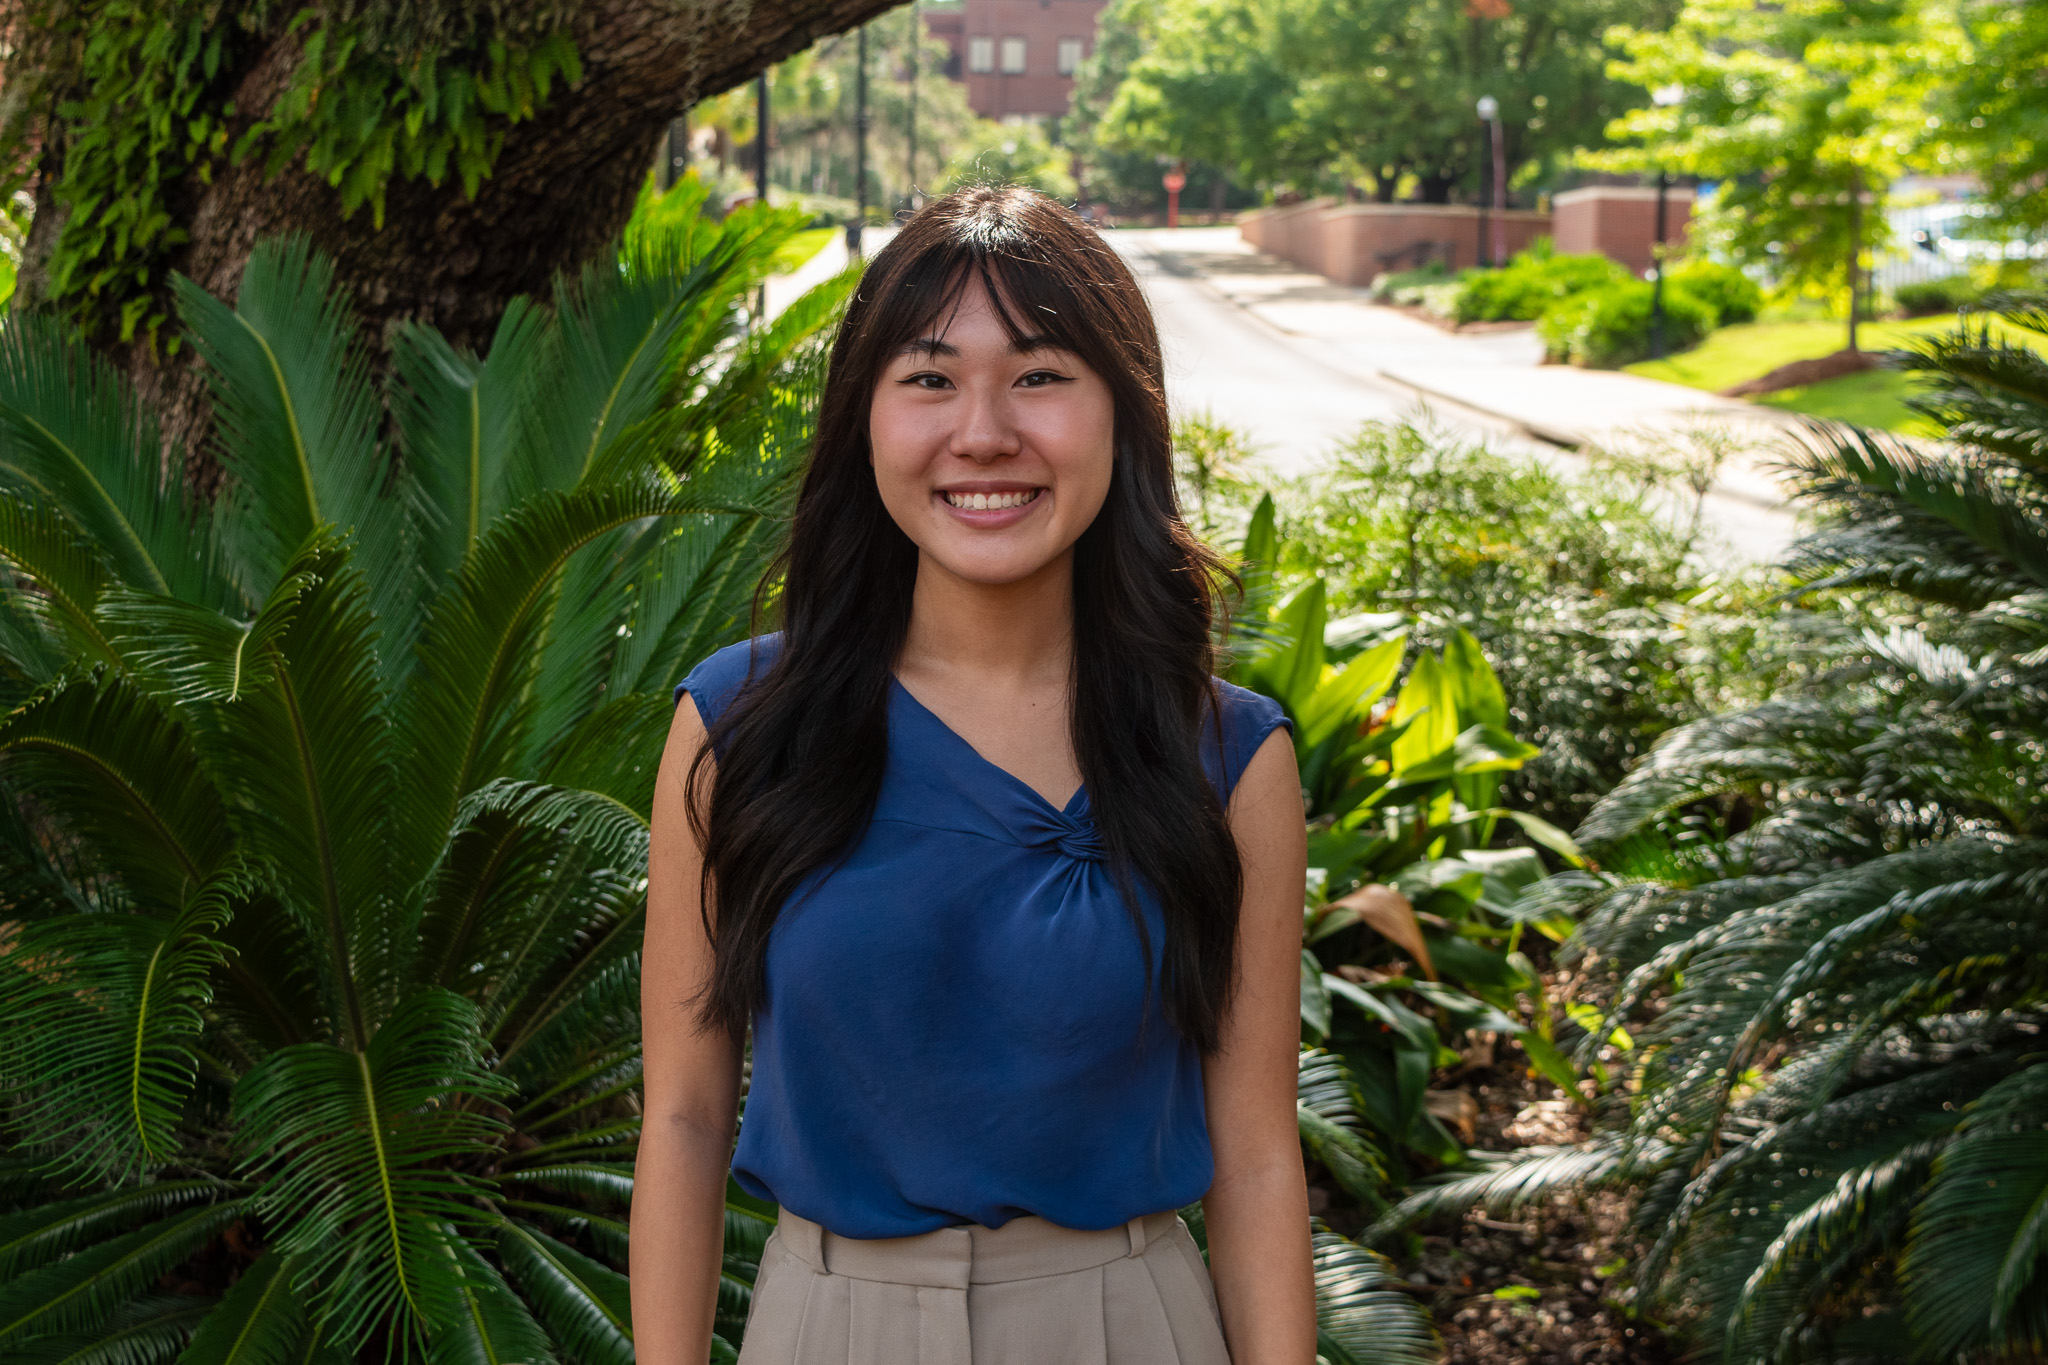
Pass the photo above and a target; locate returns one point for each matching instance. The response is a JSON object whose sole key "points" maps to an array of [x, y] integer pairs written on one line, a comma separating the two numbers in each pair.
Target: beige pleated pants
{"points": [[1027, 1293]]}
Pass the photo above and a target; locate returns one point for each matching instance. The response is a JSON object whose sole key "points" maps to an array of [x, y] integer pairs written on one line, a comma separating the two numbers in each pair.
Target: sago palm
{"points": [[1825, 917], [323, 809]]}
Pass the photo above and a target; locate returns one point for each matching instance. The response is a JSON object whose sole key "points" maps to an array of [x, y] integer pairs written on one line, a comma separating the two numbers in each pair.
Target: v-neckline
{"points": [[1067, 811]]}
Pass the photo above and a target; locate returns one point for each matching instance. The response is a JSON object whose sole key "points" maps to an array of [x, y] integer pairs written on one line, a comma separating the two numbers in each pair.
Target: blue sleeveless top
{"points": [[956, 1027]]}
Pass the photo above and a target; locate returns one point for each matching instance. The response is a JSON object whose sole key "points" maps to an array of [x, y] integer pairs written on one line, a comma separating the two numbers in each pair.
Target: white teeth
{"points": [[989, 501]]}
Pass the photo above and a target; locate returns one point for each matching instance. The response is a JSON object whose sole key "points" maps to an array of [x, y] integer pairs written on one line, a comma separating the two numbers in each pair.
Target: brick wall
{"points": [[1019, 42]]}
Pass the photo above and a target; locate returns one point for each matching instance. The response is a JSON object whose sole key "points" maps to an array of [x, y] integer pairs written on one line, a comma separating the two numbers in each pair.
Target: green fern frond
{"points": [[145, 1331], [607, 1183], [485, 1323], [81, 1292], [63, 576], [260, 1321], [43, 1233], [585, 1305], [357, 1149], [296, 420], [1361, 1317], [117, 771], [103, 1013]]}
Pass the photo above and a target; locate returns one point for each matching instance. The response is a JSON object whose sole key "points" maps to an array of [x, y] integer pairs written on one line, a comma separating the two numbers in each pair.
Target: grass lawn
{"points": [[798, 250], [1874, 398], [1748, 349]]}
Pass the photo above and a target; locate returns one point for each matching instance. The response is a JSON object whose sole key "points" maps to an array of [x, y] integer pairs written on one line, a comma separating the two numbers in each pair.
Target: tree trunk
{"points": [[562, 187]]}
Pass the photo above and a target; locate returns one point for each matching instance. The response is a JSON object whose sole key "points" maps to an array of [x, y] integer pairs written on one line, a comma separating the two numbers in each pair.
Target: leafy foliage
{"points": [[123, 102], [328, 810], [1820, 915], [1403, 924]]}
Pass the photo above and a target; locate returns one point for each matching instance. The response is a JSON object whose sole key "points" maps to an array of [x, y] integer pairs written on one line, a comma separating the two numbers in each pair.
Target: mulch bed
{"points": [[1543, 1290], [1800, 373]]}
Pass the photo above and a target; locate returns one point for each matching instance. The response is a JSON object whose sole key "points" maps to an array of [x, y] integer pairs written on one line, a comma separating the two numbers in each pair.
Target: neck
{"points": [[1023, 631]]}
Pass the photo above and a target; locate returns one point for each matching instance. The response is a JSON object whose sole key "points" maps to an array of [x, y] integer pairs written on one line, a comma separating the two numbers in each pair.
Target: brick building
{"points": [[1017, 57]]}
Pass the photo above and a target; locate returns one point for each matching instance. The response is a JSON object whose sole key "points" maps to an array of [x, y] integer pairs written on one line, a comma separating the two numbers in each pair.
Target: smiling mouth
{"points": [[989, 501]]}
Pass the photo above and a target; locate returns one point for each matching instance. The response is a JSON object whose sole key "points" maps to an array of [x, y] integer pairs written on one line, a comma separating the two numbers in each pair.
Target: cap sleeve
{"points": [[715, 682], [1246, 719]]}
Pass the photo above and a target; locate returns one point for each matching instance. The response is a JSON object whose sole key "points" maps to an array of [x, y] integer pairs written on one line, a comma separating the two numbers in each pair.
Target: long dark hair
{"points": [[802, 747]]}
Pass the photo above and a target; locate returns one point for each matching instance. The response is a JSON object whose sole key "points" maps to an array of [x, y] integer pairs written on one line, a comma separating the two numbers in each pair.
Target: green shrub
{"points": [[1733, 296], [1532, 284], [1610, 327], [1927, 298], [1389, 284]]}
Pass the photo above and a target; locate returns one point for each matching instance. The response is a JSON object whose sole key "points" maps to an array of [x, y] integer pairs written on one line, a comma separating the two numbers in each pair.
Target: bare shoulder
{"points": [[1268, 795]]}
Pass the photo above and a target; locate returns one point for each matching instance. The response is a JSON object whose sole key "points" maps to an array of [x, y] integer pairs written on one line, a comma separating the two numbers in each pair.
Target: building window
{"points": [[981, 54], [1070, 56], [1013, 56]]}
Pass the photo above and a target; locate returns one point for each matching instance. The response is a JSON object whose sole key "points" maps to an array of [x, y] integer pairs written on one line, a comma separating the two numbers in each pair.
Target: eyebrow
{"points": [[939, 346]]}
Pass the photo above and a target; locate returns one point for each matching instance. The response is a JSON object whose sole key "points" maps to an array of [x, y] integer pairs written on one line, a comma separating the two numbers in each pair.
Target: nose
{"points": [[987, 429]]}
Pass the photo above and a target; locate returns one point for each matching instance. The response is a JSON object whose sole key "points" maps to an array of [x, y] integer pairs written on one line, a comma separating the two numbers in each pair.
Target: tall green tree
{"points": [[1390, 88], [323, 813], [1804, 113], [1993, 109], [1370, 90]]}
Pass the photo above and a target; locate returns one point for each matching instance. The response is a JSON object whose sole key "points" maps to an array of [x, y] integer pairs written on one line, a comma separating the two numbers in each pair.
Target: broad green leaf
{"points": [[1474, 688], [1425, 703], [1315, 997], [1348, 696]]}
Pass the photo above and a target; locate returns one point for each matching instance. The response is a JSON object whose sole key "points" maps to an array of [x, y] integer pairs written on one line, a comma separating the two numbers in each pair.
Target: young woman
{"points": [[1006, 884]]}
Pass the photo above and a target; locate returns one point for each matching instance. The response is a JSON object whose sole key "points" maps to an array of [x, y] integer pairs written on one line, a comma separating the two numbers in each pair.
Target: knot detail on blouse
{"points": [[1072, 831]]}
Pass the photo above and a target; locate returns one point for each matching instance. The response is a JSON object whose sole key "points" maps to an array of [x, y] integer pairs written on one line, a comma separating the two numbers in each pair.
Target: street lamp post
{"points": [[860, 144], [761, 137], [1489, 112], [916, 45], [1664, 96]]}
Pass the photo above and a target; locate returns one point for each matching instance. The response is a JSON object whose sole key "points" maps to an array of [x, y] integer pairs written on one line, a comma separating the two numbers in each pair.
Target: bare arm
{"points": [[690, 1091], [1257, 1210]]}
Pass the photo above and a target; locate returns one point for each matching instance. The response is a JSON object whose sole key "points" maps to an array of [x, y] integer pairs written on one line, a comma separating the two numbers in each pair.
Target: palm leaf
{"points": [[1974, 1271], [72, 437], [465, 721], [119, 772], [486, 1324], [357, 1147], [47, 1232], [1361, 1317], [65, 575], [306, 765], [585, 1305], [144, 1331], [296, 420], [461, 422], [260, 1321], [80, 1293], [103, 1013]]}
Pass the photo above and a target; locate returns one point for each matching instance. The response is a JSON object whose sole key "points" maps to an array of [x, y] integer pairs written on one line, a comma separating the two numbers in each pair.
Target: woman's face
{"points": [[992, 457]]}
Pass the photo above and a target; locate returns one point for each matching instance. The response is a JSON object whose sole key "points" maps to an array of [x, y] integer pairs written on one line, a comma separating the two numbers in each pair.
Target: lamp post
{"points": [[916, 46], [1664, 97], [761, 137], [1489, 112], [860, 144]]}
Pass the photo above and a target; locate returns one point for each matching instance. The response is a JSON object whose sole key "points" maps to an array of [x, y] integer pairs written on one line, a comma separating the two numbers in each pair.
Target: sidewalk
{"points": [[1496, 375]]}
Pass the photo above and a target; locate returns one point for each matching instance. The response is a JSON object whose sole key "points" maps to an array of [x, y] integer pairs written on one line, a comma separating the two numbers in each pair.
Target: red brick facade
{"points": [[1011, 53]]}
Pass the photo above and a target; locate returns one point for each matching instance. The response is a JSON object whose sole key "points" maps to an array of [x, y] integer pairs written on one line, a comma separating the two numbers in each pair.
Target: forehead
{"points": [[971, 321]]}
